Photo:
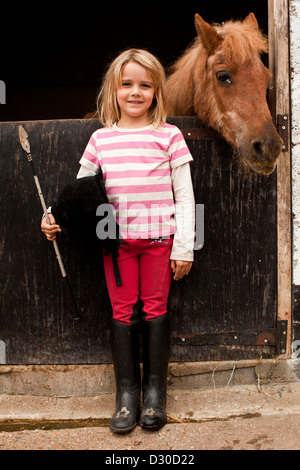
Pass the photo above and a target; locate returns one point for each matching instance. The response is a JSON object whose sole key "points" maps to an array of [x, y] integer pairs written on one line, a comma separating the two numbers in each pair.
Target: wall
{"points": [[295, 103]]}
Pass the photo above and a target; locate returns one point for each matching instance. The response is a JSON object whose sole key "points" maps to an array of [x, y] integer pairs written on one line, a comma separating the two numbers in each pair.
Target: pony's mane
{"points": [[240, 40]]}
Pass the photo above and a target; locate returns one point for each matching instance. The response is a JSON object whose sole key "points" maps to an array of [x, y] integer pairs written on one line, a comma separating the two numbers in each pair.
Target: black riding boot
{"points": [[156, 346], [126, 359]]}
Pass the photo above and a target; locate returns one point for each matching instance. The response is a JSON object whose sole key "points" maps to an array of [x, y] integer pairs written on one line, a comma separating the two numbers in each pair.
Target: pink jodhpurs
{"points": [[145, 269]]}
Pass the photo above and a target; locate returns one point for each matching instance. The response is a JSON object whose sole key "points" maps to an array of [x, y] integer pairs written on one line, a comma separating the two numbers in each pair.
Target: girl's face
{"points": [[135, 95]]}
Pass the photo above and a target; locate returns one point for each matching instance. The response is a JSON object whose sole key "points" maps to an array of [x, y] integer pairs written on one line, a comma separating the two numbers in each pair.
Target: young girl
{"points": [[145, 165]]}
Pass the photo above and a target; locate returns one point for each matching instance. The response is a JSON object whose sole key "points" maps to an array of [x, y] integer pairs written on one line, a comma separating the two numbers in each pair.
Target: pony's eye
{"points": [[224, 77]]}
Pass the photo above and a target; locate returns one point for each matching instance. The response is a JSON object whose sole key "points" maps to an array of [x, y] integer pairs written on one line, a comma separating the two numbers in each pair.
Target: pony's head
{"points": [[236, 84], [222, 80]]}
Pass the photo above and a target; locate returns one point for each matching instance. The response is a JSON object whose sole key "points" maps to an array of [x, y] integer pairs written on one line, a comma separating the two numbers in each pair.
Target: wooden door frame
{"points": [[280, 106]]}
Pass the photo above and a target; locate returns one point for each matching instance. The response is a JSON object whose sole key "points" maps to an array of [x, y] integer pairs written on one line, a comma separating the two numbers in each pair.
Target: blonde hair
{"points": [[107, 106]]}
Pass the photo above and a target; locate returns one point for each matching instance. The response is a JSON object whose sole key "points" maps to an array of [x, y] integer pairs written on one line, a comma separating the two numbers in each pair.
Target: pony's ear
{"points": [[207, 34], [251, 20]]}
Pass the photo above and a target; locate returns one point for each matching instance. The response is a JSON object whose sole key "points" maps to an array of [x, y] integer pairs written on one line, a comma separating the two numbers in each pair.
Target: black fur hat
{"points": [[75, 212]]}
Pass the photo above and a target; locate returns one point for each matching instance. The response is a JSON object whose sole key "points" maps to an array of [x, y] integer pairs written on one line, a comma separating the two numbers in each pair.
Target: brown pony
{"points": [[223, 81]]}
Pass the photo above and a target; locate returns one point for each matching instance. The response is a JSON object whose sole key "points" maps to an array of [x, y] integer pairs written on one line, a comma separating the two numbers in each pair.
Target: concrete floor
{"points": [[229, 411]]}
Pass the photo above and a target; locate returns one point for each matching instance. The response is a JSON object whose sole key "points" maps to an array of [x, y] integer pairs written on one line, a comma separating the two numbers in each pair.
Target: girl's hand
{"points": [[50, 230], [180, 268]]}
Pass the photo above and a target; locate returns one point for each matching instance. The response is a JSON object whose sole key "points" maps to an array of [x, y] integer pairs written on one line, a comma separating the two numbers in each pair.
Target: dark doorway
{"points": [[53, 59]]}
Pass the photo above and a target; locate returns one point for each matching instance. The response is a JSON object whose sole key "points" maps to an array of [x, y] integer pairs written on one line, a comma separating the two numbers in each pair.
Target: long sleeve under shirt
{"points": [[147, 177]]}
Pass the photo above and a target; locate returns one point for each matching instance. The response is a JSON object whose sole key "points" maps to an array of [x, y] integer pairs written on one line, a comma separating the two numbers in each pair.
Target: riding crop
{"points": [[26, 147]]}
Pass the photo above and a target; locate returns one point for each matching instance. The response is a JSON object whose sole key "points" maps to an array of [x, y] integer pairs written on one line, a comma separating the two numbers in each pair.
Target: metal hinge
{"points": [[283, 130], [282, 326], [265, 337]]}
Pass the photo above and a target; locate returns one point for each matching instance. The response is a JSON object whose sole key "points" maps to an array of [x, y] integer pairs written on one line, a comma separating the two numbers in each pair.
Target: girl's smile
{"points": [[135, 96]]}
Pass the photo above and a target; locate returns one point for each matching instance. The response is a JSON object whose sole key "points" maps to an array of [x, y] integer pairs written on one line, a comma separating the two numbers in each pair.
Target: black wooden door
{"points": [[225, 309]]}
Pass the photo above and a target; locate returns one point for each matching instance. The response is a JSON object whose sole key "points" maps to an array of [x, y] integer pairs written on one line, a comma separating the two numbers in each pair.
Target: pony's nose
{"points": [[267, 150], [257, 150]]}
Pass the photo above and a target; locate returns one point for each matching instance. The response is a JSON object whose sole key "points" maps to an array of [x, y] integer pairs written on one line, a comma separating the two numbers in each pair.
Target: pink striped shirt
{"points": [[137, 166]]}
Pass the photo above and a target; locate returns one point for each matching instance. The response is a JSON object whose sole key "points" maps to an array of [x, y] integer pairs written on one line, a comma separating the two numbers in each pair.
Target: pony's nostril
{"points": [[257, 150]]}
